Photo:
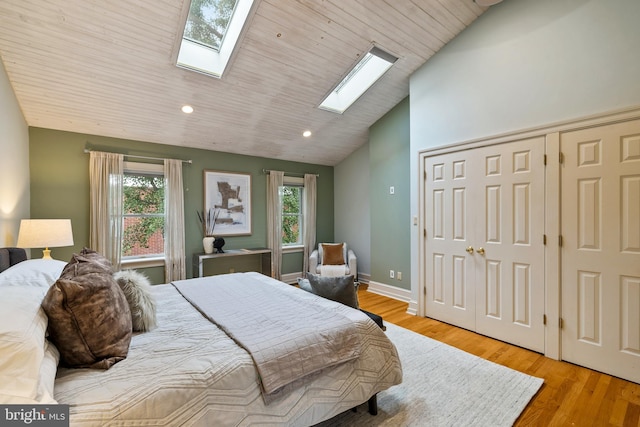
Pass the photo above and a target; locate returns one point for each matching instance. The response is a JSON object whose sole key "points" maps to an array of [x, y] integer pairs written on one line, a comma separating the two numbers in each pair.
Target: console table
{"points": [[263, 253]]}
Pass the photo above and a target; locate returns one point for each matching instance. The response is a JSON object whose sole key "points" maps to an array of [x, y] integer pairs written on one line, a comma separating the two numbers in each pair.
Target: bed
{"points": [[188, 370]]}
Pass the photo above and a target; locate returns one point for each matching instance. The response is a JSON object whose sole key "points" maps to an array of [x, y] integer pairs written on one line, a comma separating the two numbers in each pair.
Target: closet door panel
{"points": [[600, 185], [450, 295], [510, 247]]}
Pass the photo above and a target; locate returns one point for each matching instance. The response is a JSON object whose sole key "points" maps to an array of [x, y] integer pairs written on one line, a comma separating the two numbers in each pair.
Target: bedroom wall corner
{"points": [[351, 211], [14, 163], [390, 214]]}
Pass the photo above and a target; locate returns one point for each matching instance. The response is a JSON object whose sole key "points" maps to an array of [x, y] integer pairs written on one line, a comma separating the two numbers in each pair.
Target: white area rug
{"points": [[444, 386]]}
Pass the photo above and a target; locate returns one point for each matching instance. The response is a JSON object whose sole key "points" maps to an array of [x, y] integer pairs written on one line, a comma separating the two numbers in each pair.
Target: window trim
{"points": [[143, 262]]}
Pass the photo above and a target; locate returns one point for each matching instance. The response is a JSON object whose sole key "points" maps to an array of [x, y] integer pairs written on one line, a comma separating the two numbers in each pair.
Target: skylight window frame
{"points": [[202, 58], [360, 78]]}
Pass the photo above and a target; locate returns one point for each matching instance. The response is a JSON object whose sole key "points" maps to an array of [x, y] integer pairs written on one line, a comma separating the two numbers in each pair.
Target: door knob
{"points": [[481, 251], [470, 249]]}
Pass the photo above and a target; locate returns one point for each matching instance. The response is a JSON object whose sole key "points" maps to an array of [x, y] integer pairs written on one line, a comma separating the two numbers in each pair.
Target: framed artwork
{"points": [[227, 203]]}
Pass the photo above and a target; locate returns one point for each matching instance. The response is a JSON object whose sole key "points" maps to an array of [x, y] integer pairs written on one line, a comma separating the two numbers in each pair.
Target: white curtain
{"points": [[274, 220], [106, 210], [175, 260], [310, 196]]}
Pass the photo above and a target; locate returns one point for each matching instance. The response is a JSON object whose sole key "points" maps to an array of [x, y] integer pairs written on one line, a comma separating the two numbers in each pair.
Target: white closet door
{"points": [[509, 243], [484, 250], [450, 273], [600, 182]]}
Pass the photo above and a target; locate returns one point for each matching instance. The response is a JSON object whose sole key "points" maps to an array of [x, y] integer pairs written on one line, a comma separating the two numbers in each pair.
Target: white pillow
{"points": [[26, 375], [33, 272], [47, 375]]}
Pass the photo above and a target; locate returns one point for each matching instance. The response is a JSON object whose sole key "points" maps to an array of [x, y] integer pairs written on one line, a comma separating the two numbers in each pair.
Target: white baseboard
{"points": [[394, 292], [413, 308], [290, 278], [364, 278]]}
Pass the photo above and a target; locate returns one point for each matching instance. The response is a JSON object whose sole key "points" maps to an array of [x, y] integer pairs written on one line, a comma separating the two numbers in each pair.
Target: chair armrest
{"points": [[353, 264], [313, 261]]}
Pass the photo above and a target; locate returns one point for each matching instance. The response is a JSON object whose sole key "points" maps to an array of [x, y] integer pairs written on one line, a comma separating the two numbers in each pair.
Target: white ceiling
{"points": [[108, 68]]}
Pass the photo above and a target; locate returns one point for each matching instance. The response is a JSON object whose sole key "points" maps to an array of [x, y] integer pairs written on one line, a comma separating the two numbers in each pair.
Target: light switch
{"points": [[392, 190]]}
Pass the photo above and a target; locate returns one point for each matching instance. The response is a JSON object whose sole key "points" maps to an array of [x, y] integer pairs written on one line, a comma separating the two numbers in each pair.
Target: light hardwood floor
{"points": [[571, 395]]}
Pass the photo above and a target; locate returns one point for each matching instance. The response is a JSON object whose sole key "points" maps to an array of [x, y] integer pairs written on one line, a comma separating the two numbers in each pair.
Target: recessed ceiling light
{"points": [[306, 133], [187, 109]]}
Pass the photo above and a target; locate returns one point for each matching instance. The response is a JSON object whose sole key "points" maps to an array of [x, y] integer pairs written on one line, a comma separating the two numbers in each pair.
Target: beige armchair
{"points": [[333, 259]]}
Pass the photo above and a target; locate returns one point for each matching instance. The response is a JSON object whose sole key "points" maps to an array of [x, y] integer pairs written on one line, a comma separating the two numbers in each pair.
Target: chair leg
{"points": [[373, 405]]}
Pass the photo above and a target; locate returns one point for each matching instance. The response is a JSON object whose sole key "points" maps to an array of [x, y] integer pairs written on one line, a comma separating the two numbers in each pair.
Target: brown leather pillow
{"points": [[89, 317], [332, 253]]}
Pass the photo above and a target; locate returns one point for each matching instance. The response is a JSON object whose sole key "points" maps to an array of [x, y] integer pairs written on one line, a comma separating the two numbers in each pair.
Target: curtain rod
{"points": [[133, 156], [300, 174]]}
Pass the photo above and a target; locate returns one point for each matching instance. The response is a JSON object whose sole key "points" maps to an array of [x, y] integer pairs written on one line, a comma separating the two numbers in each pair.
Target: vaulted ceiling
{"points": [[108, 68]]}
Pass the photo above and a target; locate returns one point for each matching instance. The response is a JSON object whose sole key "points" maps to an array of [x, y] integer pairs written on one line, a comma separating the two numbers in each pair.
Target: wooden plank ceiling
{"points": [[108, 68]]}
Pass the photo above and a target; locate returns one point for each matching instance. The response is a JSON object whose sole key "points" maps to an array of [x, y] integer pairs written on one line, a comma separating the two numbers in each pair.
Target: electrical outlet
{"points": [[392, 274], [392, 190], [399, 275]]}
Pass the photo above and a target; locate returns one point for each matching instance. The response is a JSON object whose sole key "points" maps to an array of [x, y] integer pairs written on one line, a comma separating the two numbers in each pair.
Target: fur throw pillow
{"points": [[137, 290]]}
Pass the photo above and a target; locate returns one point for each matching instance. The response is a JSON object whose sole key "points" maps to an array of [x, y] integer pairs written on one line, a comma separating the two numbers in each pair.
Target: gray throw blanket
{"points": [[288, 336]]}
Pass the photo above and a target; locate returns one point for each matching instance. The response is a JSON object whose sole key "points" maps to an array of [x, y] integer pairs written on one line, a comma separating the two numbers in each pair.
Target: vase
{"points": [[207, 244]]}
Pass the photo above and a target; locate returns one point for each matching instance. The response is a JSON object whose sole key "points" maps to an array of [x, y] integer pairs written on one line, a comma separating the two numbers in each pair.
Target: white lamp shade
{"points": [[45, 233]]}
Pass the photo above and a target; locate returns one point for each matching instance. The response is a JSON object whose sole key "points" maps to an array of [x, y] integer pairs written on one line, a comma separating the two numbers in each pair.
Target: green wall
{"points": [[60, 188], [390, 213]]}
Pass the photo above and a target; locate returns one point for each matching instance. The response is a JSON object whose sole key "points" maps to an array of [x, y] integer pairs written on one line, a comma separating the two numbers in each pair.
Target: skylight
{"points": [[365, 73], [211, 33]]}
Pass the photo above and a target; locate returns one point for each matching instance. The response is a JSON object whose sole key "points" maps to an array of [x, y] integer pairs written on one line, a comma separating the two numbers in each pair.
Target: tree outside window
{"points": [[143, 233], [208, 21], [292, 215]]}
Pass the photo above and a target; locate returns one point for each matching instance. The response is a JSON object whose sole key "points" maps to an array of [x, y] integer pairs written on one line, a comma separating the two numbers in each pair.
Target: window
{"points": [[211, 32], [143, 198], [292, 212], [208, 21], [371, 67]]}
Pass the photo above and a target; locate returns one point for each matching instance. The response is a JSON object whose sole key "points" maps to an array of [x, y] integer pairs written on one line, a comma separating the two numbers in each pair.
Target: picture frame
{"points": [[227, 199]]}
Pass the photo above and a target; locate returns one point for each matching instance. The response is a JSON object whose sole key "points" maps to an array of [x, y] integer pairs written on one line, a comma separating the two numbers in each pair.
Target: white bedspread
{"points": [[188, 372], [287, 340]]}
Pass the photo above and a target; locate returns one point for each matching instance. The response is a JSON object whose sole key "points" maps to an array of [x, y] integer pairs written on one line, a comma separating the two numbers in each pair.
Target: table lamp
{"points": [[45, 233]]}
